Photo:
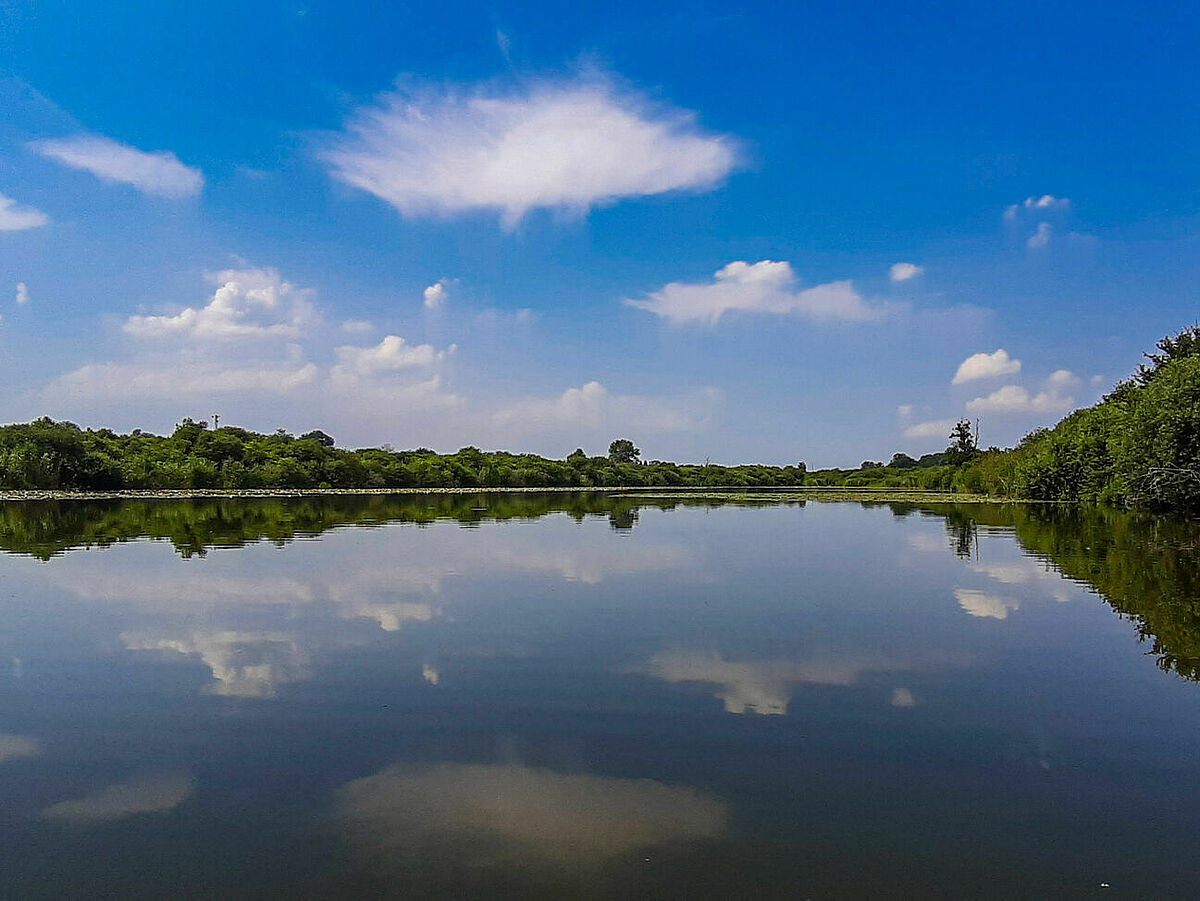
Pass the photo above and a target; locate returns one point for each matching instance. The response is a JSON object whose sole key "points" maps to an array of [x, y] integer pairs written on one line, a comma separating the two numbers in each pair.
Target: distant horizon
{"points": [[299, 432]]}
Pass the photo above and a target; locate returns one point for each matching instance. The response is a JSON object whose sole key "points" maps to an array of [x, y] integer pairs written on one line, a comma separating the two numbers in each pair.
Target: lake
{"points": [[518, 695]]}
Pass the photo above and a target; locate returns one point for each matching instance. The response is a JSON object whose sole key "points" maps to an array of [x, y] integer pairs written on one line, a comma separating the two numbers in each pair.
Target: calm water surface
{"points": [[588, 696]]}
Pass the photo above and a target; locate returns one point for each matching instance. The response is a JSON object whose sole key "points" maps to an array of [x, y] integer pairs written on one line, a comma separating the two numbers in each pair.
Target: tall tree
{"points": [[623, 451]]}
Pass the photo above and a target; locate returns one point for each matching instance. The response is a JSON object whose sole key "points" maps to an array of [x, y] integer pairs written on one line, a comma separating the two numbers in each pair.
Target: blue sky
{"points": [[744, 232]]}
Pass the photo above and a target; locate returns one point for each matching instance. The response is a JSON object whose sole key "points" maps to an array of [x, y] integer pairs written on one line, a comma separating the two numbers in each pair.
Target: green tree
{"points": [[962, 443], [623, 451], [1183, 344], [318, 436]]}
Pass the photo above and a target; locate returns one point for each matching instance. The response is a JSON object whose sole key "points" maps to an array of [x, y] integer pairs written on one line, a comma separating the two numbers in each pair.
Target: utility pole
{"points": [[976, 434]]}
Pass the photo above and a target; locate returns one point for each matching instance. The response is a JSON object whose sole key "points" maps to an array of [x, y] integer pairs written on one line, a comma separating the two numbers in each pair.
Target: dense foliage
{"points": [[1146, 567], [1140, 446], [59, 455]]}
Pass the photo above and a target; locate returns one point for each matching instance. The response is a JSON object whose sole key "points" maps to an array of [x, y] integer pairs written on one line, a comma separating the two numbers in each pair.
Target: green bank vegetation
{"points": [[1139, 447], [50, 455]]}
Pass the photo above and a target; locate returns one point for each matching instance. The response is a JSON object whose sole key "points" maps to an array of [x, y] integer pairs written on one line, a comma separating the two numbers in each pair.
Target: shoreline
{"points": [[813, 492]]}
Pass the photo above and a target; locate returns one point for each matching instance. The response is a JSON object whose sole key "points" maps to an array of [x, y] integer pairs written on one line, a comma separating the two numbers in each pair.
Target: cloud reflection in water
{"points": [[482, 814]]}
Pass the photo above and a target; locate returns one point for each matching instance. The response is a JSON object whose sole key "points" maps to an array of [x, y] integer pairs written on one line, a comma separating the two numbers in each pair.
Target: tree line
{"points": [[50, 455]]}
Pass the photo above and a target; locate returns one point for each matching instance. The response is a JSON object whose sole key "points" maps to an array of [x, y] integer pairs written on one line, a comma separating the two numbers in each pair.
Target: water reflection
{"points": [[982, 604], [13, 747], [759, 686], [243, 664], [145, 794], [507, 814], [907, 695]]}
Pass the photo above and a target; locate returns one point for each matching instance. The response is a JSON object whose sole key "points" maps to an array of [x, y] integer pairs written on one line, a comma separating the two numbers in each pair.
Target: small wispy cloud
{"points": [[1046, 203], [932, 428], [985, 366], [437, 294], [592, 407], [902, 272], [763, 287], [22, 294], [1041, 237], [566, 145], [158, 173], [15, 218], [390, 354]]}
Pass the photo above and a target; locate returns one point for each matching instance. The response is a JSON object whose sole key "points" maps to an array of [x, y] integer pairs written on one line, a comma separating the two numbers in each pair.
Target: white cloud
{"points": [[902, 272], [1015, 399], [592, 407], [357, 326], [14, 218], [146, 794], [1041, 237], [22, 294], [1037, 206], [158, 173], [436, 294], [389, 355], [13, 747], [763, 287], [981, 604], [248, 303], [1062, 380], [932, 428], [904, 413], [1046, 202], [985, 366], [568, 145]]}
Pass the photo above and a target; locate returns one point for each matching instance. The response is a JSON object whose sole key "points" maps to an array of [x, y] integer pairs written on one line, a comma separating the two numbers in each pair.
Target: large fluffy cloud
{"points": [[986, 366], [158, 173], [763, 287], [1053, 398], [248, 303], [567, 145], [15, 218]]}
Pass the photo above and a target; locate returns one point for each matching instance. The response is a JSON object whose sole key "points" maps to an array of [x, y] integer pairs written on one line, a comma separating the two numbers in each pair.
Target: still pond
{"points": [[518, 695]]}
